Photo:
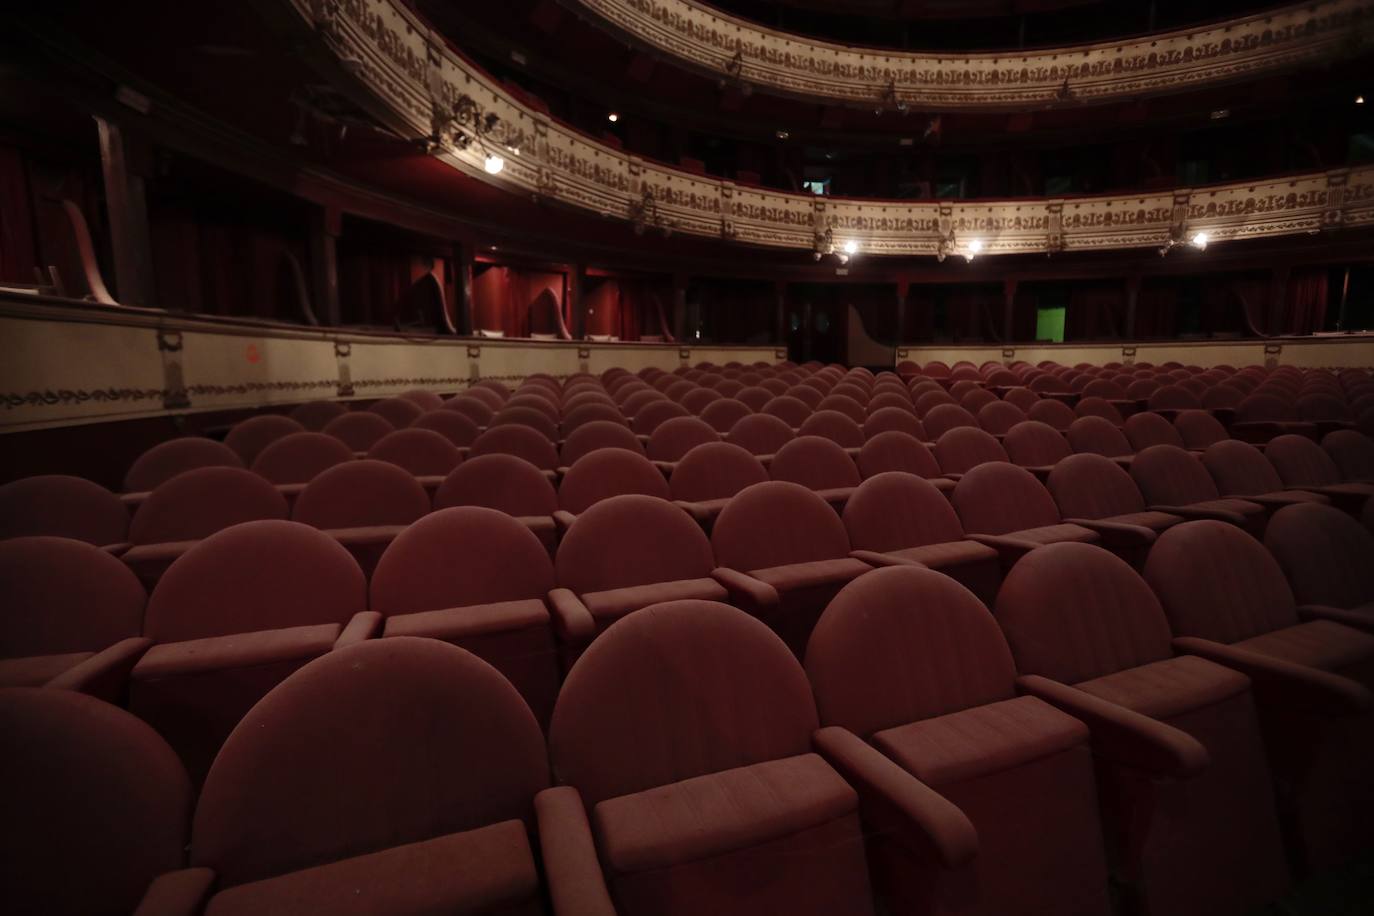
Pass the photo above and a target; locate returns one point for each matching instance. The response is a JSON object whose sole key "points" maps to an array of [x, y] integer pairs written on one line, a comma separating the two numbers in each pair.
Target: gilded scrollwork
{"points": [[407, 66], [702, 36]]}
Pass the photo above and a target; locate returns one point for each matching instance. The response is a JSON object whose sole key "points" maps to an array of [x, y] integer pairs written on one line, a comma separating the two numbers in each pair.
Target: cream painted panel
{"points": [[382, 369], [233, 370], [54, 371], [1318, 352]]}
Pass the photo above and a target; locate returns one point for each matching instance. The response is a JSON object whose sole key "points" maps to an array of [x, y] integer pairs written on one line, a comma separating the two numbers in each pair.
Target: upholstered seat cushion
{"points": [[951, 553], [477, 871], [238, 650], [609, 606], [37, 670], [797, 576], [1169, 687], [1055, 534], [1320, 644], [475, 620], [980, 740], [711, 815]]}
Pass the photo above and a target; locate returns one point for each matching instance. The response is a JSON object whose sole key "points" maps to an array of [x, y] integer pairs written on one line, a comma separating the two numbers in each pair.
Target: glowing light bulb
{"points": [[613, 117], [851, 247], [1199, 240], [975, 246], [494, 164]]}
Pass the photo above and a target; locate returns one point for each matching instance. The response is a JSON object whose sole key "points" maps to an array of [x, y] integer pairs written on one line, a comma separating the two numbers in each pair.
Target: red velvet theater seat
{"points": [[897, 451], [1052, 413], [1240, 470], [782, 553], [1036, 446], [651, 416], [72, 617], [167, 459], [360, 429], [1352, 452], [396, 776], [605, 473], [192, 506], [426, 454], [1328, 559], [247, 438], [1187, 806], [840, 428], [1096, 436], [1302, 463], [1006, 508], [452, 425], [910, 662], [528, 418], [293, 461], [520, 441], [686, 729], [760, 434], [1146, 429], [1227, 601], [507, 484], [399, 412], [363, 505], [819, 464], [96, 806], [1199, 429], [598, 434], [1175, 482], [476, 578], [1096, 493], [678, 436], [474, 408], [893, 419], [963, 448], [897, 519], [623, 554], [790, 408], [61, 506], [703, 482], [315, 415], [233, 616]]}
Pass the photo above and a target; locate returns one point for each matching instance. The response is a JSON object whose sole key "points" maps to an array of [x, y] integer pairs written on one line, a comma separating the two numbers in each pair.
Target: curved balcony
{"points": [[426, 90], [701, 37]]}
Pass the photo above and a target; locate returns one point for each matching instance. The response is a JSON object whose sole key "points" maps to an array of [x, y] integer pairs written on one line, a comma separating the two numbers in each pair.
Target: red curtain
{"points": [[1305, 305], [18, 253], [516, 301]]}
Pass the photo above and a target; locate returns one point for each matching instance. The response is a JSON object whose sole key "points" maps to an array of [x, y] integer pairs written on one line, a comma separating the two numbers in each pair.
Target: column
{"points": [[125, 203], [326, 225]]}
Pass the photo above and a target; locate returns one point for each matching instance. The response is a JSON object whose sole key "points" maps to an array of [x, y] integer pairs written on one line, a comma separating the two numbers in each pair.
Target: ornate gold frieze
{"points": [[410, 70], [703, 37]]}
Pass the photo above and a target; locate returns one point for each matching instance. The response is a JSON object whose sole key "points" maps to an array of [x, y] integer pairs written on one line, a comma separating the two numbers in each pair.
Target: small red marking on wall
{"points": [[251, 354]]}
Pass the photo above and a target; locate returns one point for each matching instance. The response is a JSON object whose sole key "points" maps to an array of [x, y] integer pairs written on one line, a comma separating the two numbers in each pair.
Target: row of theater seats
{"points": [[230, 614], [365, 503], [1158, 738]]}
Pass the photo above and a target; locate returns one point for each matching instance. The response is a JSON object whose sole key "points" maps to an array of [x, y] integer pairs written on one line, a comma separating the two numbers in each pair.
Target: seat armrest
{"points": [[177, 893], [572, 622], [575, 880], [873, 558], [563, 520], [747, 592], [1350, 618], [1116, 534], [1009, 547], [1283, 681], [1193, 513], [1123, 735], [895, 799], [365, 625], [106, 673]]}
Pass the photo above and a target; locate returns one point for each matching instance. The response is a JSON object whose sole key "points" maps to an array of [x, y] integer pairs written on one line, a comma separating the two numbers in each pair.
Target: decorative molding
{"points": [[405, 64], [703, 38]]}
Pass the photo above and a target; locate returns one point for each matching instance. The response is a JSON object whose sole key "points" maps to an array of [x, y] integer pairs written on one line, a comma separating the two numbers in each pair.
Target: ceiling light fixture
{"points": [[1359, 100], [851, 247], [494, 164], [1199, 241], [613, 117], [975, 247]]}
